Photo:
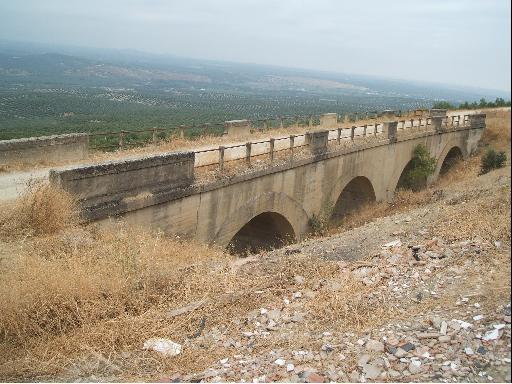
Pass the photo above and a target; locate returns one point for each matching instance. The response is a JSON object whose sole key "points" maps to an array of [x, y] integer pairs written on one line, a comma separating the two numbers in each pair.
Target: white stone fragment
{"points": [[463, 324], [393, 244], [491, 335], [469, 351], [164, 346], [280, 362]]}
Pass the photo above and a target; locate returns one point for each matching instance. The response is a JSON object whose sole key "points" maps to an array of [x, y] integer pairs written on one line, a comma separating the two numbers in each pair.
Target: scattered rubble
{"points": [[458, 341]]}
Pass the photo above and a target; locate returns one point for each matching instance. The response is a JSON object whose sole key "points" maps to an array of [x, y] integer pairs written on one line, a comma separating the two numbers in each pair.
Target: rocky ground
{"points": [[443, 302]]}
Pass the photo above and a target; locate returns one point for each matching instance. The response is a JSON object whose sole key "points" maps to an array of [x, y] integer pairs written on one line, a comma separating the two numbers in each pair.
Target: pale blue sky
{"points": [[465, 42]]}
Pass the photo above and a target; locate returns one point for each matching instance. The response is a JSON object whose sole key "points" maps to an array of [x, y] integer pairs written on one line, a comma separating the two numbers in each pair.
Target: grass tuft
{"points": [[43, 209]]}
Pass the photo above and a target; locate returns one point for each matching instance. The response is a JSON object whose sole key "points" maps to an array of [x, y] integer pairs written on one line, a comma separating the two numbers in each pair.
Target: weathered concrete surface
{"points": [[317, 141], [438, 112], [215, 212], [110, 182], [389, 114], [45, 149], [329, 120], [237, 127]]}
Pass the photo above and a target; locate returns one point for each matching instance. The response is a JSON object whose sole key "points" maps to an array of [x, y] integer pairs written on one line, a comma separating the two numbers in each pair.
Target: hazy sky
{"points": [[463, 42]]}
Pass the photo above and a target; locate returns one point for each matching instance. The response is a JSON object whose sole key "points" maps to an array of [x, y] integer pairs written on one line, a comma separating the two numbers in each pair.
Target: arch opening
{"points": [[357, 193], [406, 182], [453, 156], [266, 231]]}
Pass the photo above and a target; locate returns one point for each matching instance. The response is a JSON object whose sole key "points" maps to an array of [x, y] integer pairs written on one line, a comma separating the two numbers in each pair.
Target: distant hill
{"points": [[39, 64], [48, 89]]}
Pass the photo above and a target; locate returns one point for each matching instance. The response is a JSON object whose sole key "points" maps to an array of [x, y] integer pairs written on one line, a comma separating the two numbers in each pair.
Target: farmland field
{"points": [[45, 93]]}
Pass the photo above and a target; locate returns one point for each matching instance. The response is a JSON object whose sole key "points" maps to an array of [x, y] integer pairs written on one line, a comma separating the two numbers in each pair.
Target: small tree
{"points": [[421, 166], [492, 160]]}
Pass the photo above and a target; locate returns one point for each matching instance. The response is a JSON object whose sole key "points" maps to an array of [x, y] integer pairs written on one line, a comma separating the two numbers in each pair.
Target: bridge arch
{"points": [[272, 214], [450, 153], [397, 175], [451, 150], [266, 231], [353, 194]]}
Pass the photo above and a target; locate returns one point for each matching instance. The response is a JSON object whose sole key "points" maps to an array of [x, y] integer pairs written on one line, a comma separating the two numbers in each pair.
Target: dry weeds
{"points": [[42, 209]]}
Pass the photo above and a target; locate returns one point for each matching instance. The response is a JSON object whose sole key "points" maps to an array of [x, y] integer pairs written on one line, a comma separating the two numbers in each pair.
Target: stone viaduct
{"points": [[306, 175]]}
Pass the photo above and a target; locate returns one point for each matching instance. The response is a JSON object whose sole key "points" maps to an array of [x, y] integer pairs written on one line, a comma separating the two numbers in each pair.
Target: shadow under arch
{"points": [[452, 157], [278, 203], [357, 193], [268, 230], [403, 181]]}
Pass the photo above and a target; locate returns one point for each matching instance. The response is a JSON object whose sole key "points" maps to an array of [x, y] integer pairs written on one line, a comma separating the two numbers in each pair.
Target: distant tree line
{"points": [[499, 102]]}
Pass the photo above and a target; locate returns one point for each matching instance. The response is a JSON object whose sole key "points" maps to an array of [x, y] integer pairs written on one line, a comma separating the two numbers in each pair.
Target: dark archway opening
{"points": [[357, 193], [453, 156], [268, 230], [405, 182]]}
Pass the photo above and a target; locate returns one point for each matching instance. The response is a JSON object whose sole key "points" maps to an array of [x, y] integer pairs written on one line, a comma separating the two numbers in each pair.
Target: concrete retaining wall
{"points": [[329, 120], [114, 181], [47, 149], [237, 127]]}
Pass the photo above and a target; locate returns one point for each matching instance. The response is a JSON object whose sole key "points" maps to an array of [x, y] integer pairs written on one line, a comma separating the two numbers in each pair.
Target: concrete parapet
{"points": [[317, 141], [438, 112], [389, 129], [421, 112], [477, 120], [237, 127], [47, 149], [437, 123], [329, 120], [111, 182], [388, 114]]}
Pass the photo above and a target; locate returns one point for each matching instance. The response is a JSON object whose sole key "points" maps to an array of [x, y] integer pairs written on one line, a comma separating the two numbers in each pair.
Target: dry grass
{"points": [[78, 299], [497, 133], [93, 289], [478, 214], [349, 304], [42, 209]]}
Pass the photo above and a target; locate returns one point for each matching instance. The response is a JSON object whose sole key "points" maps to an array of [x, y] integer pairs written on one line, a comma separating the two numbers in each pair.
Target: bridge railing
{"points": [[129, 138], [269, 149]]}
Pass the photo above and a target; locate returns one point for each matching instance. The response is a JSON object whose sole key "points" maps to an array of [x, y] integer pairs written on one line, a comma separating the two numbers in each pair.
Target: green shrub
{"points": [[492, 160], [421, 166], [443, 105], [319, 223]]}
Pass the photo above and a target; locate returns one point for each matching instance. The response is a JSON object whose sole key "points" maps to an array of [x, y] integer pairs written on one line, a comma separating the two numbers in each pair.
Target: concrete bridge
{"points": [[272, 201]]}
